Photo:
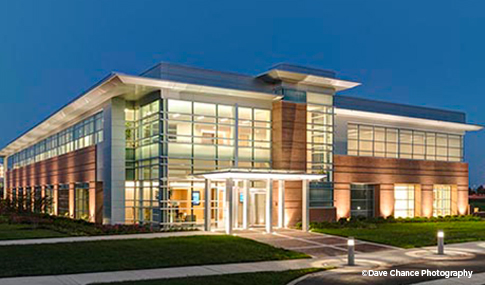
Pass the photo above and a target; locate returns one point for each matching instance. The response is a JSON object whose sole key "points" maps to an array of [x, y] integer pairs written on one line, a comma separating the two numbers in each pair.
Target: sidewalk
{"points": [[132, 275], [107, 237]]}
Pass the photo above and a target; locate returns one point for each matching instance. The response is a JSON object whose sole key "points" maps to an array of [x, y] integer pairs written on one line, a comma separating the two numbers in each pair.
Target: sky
{"points": [[424, 53]]}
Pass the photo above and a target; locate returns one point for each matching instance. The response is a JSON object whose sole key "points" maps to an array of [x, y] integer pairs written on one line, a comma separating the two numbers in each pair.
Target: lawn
{"points": [[20, 231], [408, 235], [274, 278], [96, 256]]}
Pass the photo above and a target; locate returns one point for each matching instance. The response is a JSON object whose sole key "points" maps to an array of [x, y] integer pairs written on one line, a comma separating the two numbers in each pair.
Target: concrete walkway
{"points": [[108, 237], [177, 272]]}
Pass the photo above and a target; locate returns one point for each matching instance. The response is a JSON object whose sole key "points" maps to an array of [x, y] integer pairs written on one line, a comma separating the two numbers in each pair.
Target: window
{"points": [[38, 199], [49, 199], [81, 201], [361, 200], [403, 201], [364, 140], [83, 134], [441, 200], [63, 200]]}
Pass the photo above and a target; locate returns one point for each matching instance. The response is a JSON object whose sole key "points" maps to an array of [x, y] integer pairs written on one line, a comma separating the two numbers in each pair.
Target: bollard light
{"points": [[441, 242], [350, 251]]}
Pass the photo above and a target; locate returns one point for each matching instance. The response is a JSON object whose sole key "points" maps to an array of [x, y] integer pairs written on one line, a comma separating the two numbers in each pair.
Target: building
{"points": [[270, 150]]}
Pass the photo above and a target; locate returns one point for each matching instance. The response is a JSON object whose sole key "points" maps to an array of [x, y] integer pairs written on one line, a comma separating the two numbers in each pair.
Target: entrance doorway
{"points": [[258, 209]]}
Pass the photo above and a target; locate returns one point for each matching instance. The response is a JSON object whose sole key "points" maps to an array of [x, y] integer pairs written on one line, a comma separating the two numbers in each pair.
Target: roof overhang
{"points": [[309, 79], [259, 174], [115, 85], [459, 127]]}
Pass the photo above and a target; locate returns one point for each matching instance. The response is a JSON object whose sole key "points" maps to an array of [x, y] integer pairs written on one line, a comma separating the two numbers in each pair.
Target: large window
{"points": [[142, 162], [361, 200], [200, 137], [320, 126], [404, 200], [49, 199], [83, 134], [365, 140], [82, 201], [63, 200], [441, 200]]}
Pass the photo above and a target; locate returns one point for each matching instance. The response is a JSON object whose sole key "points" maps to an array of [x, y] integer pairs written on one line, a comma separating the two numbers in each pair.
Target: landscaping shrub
{"points": [[370, 223]]}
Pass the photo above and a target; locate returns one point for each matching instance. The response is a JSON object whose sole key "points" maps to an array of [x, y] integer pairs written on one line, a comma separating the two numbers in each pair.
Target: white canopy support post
{"points": [[281, 204], [245, 204], [305, 215], [207, 209], [228, 205], [269, 206]]}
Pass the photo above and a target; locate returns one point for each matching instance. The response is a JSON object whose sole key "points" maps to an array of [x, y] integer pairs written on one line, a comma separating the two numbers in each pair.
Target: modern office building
{"points": [[267, 150]]}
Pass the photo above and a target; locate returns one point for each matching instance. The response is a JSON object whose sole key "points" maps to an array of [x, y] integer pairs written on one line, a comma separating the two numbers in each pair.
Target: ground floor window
{"points": [[441, 200], [81, 201], [362, 200], [37, 199], [28, 199], [404, 200], [49, 199], [63, 200]]}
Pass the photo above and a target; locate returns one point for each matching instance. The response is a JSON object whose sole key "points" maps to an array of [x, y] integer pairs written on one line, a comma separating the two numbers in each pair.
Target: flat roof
{"points": [[192, 79]]}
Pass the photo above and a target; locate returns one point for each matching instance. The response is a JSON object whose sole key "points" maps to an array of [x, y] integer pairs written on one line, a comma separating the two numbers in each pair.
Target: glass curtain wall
{"points": [[320, 128], [200, 137], [366, 140], [142, 162]]}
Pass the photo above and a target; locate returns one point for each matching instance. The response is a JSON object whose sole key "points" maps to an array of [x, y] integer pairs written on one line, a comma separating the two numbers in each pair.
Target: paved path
{"points": [[313, 244], [131, 275], [108, 237]]}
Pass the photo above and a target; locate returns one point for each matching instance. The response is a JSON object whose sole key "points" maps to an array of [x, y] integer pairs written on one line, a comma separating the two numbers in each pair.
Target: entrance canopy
{"points": [[260, 174], [232, 191]]}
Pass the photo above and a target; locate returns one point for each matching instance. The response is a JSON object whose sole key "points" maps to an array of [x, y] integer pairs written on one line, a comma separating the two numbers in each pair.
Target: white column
{"points": [[207, 209], [245, 204], [228, 206], [269, 206], [305, 211], [281, 204], [235, 205]]}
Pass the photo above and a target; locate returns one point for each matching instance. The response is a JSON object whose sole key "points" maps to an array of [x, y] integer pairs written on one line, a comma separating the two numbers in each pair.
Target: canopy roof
{"points": [[260, 174]]}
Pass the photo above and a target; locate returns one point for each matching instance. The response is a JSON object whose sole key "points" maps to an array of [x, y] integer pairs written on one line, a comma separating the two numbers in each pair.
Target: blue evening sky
{"points": [[425, 53]]}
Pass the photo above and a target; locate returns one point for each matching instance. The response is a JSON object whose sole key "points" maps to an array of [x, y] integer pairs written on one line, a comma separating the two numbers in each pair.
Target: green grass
{"points": [[96, 256], [408, 235], [273, 278], [19, 231]]}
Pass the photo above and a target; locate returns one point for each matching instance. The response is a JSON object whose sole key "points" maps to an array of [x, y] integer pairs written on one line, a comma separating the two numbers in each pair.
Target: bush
{"points": [[371, 223]]}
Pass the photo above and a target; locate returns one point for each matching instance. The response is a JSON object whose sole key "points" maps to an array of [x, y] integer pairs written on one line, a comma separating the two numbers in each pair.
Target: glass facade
{"points": [[404, 200], [366, 140], [142, 162], [83, 134], [169, 140], [320, 137], [441, 200]]}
